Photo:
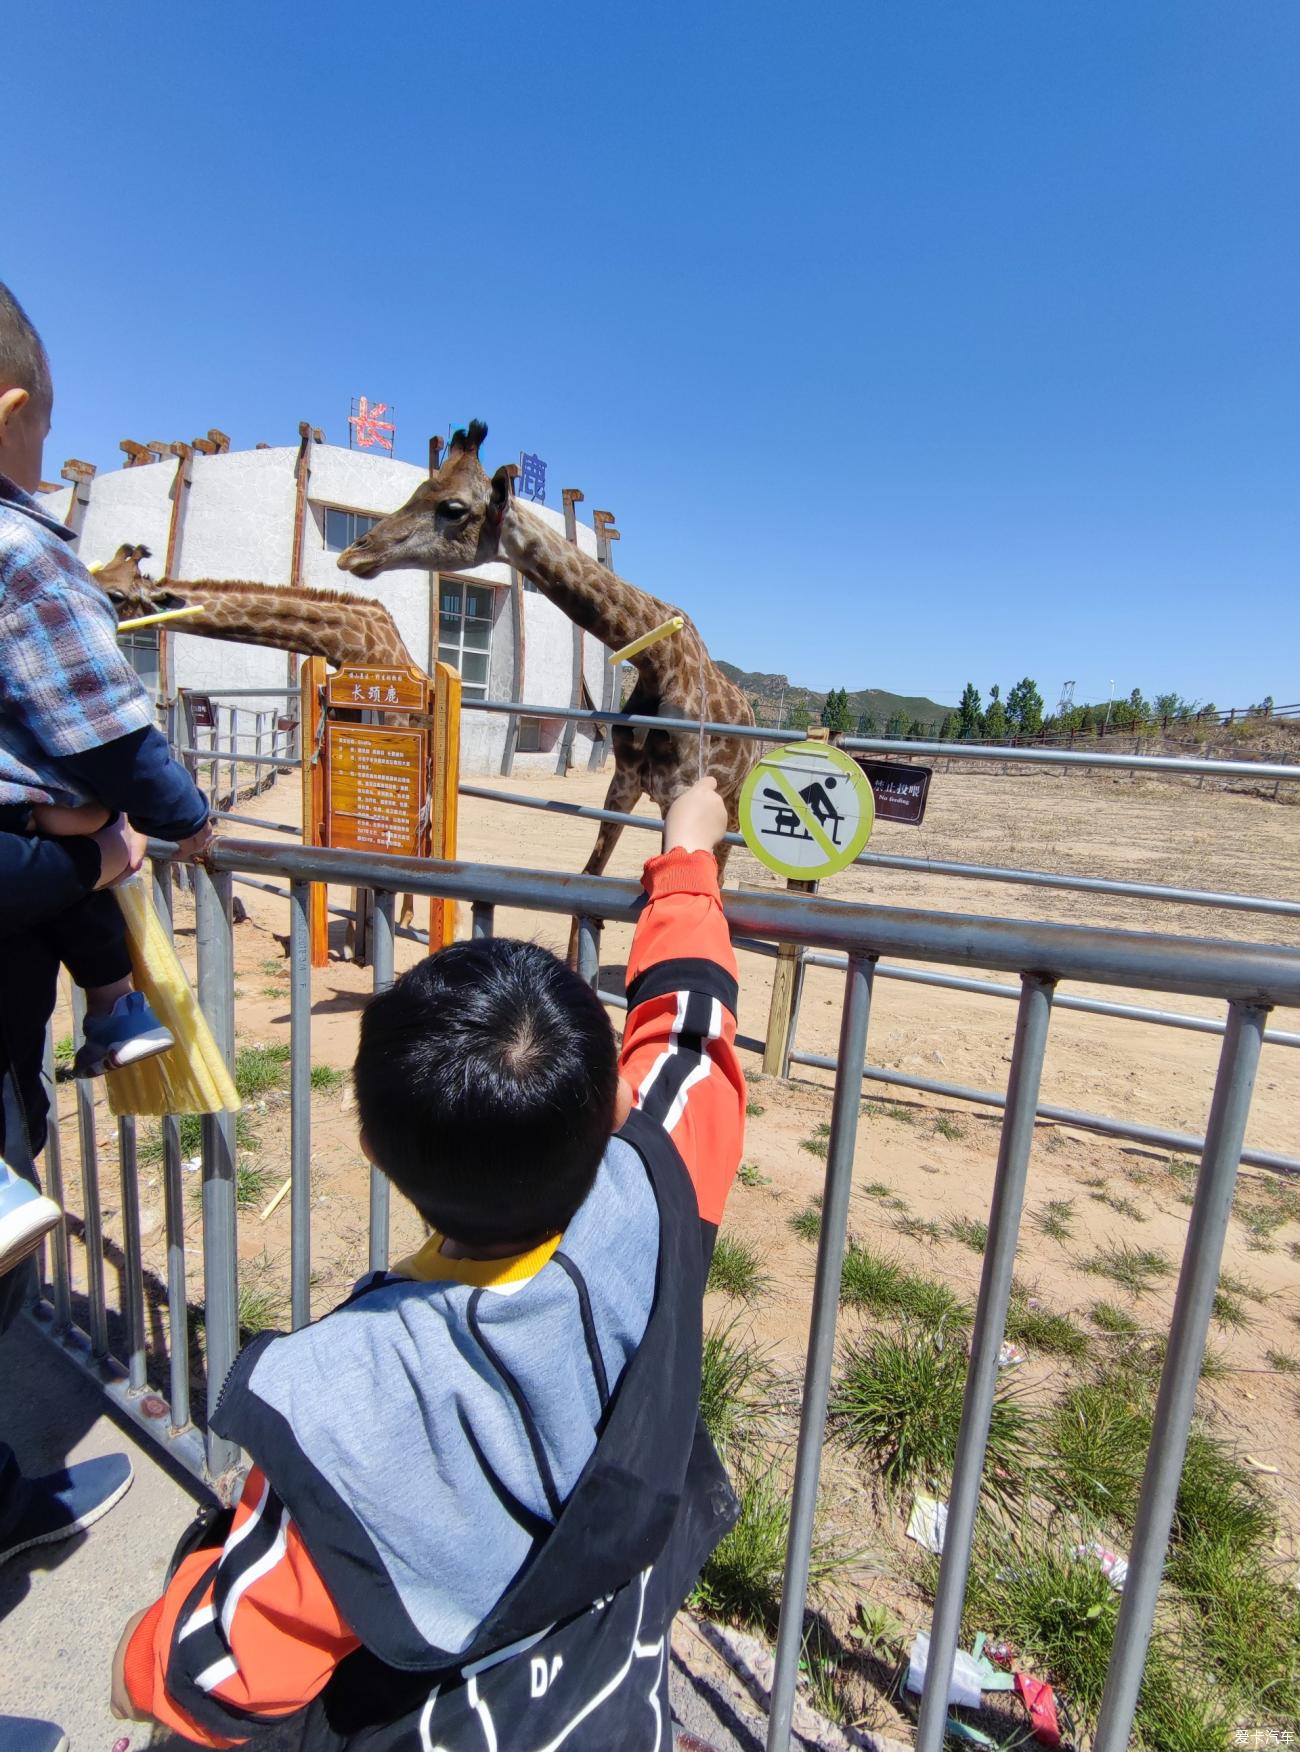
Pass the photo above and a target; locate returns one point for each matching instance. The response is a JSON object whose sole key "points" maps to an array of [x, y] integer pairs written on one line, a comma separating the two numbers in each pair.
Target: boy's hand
{"points": [[195, 846], [697, 820]]}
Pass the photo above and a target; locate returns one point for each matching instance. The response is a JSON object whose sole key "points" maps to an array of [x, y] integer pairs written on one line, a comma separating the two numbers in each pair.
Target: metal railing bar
{"points": [[299, 1104], [183, 1444], [1159, 763], [1027, 1056], [381, 957], [1092, 1006], [60, 1278], [1189, 1327], [1185, 1143], [252, 821], [133, 1262], [214, 756], [1226, 901], [220, 1245], [178, 1313], [244, 693], [821, 1348], [92, 1217], [1198, 966]]}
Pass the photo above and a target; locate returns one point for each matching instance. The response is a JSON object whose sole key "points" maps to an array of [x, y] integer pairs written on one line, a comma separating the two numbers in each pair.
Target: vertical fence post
{"points": [[133, 1265], [787, 987], [59, 1278], [1198, 1281], [234, 762], [483, 915], [821, 1342], [220, 1253], [589, 951], [178, 1319], [300, 1102], [93, 1230], [1027, 1055], [382, 962]]}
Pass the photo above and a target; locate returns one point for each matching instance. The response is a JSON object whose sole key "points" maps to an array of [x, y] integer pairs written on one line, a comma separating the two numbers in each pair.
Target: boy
{"points": [[78, 744], [480, 1490]]}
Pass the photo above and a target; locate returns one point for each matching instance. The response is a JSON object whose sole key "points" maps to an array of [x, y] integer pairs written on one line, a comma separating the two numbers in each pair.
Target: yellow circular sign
{"points": [[806, 810]]}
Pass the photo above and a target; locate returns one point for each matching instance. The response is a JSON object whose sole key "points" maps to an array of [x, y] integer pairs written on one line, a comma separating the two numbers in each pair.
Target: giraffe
{"points": [[459, 518], [331, 624]]}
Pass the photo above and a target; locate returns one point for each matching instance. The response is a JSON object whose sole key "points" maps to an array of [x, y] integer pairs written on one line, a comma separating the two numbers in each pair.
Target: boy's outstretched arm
{"points": [[679, 1052]]}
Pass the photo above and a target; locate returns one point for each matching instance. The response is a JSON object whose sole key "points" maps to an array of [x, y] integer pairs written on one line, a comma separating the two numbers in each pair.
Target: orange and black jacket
{"points": [[510, 1577]]}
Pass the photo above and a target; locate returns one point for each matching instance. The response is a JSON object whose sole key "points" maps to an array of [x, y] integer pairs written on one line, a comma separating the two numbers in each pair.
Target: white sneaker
{"points": [[26, 1218]]}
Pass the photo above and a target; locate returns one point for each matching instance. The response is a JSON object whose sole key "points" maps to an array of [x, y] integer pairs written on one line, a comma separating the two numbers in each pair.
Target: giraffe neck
{"points": [[602, 603], [315, 623]]}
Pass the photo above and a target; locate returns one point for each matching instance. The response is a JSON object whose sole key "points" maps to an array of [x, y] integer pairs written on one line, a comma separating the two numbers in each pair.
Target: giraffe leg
{"points": [[406, 917], [625, 791]]}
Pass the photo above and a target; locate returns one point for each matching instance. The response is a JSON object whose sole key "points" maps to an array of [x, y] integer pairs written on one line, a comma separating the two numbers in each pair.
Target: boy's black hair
{"points": [[486, 1081], [24, 363]]}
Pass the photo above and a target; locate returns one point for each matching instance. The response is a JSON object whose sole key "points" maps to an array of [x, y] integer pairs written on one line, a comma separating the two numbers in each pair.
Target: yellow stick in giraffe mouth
{"points": [[653, 637], [151, 620]]}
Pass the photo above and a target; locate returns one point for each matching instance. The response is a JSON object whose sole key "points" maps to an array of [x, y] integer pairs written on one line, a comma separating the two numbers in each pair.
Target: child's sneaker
{"points": [[26, 1218], [128, 1033]]}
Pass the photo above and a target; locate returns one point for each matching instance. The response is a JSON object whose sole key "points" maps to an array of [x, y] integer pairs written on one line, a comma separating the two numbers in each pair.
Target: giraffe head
{"points": [[127, 588], [450, 522]]}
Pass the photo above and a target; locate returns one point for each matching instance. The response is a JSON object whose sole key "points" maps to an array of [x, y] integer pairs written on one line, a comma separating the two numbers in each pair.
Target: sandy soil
{"points": [[919, 1159]]}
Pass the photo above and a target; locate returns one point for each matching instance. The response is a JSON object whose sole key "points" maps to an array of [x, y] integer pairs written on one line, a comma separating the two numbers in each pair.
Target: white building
{"points": [[283, 515]]}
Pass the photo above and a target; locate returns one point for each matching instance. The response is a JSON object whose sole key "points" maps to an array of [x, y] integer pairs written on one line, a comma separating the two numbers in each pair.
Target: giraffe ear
{"points": [[501, 488]]}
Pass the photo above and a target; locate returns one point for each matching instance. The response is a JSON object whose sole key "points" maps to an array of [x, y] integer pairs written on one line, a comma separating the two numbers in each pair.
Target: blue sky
{"points": [[909, 342]]}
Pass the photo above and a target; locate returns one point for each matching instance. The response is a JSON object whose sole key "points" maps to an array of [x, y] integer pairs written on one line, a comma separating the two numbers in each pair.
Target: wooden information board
{"points": [[377, 786], [378, 690]]}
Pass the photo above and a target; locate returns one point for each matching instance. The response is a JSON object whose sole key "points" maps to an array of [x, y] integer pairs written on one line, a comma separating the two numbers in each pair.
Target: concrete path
{"points": [[62, 1607]]}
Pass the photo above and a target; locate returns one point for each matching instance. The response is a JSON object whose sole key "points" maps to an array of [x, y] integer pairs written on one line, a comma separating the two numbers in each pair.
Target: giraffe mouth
{"points": [[361, 565]]}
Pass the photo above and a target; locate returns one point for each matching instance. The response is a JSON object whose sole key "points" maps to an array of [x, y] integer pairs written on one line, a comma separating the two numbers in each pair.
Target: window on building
{"points": [[465, 633], [342, 528], [140, 649], [530, 736]]}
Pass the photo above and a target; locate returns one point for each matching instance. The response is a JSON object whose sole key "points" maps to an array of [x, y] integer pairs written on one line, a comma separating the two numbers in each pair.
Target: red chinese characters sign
{"points": [[367, 426]]}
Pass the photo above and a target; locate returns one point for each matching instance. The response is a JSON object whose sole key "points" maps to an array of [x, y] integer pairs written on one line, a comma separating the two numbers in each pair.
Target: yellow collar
{"points": [[430, 1265]]}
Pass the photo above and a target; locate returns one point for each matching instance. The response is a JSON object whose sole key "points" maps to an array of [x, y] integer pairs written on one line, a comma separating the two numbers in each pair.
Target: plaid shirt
{"points": [[65, 685]]}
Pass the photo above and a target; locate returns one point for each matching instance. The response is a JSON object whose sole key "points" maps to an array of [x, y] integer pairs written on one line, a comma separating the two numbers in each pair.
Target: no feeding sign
{"points": [[806, 811]]}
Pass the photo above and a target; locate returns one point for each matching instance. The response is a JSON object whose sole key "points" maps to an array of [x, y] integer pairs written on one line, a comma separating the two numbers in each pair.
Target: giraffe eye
{"points": [[453, 508]]}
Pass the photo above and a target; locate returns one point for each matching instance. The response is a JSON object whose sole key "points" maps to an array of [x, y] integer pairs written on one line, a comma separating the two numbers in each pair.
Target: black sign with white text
{"points": [[900, 791]]}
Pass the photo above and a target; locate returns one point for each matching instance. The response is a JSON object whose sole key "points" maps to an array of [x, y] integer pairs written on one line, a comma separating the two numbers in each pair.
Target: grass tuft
{"points": [[1123, 1206], [749, 1174], [1056, 1219], [1135, 1269], [919, 1229], [755, 1109], [259, 1068], [897, 1401], [742, 1580], [734, 1380], [1283, 1362], [1113, 1319], [327, 1078], [807, 1223], [870, 1280], [251, 1183], [945, 1126], [736, 1269], [1042, 1330], [970, 1231]]}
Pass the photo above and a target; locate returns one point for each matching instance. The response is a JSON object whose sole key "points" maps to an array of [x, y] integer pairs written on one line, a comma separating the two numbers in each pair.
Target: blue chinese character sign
{"points": [[532, 477]]}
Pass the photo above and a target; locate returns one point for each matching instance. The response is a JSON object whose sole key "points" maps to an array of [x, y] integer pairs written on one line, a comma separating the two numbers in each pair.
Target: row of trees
{"points": [[1020, 714]]}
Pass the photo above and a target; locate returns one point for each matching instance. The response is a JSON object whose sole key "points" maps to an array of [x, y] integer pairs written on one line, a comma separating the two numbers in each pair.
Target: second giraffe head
{"points": [[450, 522]]}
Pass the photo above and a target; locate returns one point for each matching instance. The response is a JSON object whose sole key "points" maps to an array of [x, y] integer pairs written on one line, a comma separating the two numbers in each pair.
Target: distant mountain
{"points": [[767, 690]]}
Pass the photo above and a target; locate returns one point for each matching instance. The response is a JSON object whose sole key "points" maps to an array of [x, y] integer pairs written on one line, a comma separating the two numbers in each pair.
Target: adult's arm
{"points": [[136, 774]]}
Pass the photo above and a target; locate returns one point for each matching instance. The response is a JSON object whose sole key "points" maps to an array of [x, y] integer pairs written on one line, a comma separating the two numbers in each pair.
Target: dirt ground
{"points": [[920, 1160]]}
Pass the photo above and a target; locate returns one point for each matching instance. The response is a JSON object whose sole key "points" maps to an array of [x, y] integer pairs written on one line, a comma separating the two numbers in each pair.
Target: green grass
{"points": [[1055, 1219], [1229, 1312], [65, 1050], [755, 1109], [275, 966], [1283, 1362], [970, 1232], [272, 991], [259, 1068], [877, 1189], [737, 1270], [1113, 1319], [815, 1146], [260, 1306], [1123, 1206], [1042, 1330], [807, 1223], [1248, 1628], [741, 1581], [327, 1078], [897, 1402], [149, 1149], [749, 1174], [945, 1126], [1135, 1269], [252, 1183], [870, 1280], [1240, 1286], [734, 1382]]}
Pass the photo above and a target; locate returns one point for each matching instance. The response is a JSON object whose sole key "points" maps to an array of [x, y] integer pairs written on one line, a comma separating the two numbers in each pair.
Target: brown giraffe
{"points": [[316, 623], [459, 518]]}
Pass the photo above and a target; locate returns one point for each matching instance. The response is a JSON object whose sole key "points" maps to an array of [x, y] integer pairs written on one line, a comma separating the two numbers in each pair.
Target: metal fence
{"points": [[1249, 978]]}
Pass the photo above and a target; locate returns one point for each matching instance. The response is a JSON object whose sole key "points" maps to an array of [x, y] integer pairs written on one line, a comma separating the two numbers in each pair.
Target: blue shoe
{"points": [[26, 1218], [128, 1033], [23, 1734], [64, 1503]]}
